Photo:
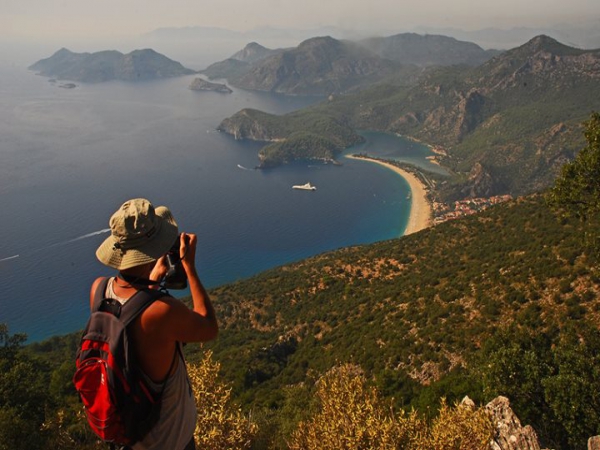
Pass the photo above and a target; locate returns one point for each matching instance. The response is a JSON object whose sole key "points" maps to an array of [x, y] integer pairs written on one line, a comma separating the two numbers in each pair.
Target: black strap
{"points": [[133, 307], [137, 280], [99, 295], [138, 304]]}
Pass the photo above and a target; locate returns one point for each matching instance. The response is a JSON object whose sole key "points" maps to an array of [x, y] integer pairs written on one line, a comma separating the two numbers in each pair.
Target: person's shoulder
{"points": [[163, 314], [96, 283], [162, 305]]}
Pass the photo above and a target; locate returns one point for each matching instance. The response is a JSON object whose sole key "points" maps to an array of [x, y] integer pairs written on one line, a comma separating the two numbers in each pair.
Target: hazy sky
{"points": [[34, 29], [71, 19]]}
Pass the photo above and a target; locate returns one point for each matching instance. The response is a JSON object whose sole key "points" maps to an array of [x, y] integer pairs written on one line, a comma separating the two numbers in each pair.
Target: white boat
{"points": [[305, 187]]}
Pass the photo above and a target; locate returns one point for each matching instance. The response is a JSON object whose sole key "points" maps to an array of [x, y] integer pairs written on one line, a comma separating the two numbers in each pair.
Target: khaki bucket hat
{"points": [[140, 234]]}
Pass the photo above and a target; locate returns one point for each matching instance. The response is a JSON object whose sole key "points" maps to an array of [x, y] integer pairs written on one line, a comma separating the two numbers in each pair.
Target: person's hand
{"points": [[159, 270], [187, 250]]}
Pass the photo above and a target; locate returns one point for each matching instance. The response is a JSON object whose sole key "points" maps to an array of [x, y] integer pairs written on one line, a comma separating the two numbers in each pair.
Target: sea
{"points": [[70, 157]]}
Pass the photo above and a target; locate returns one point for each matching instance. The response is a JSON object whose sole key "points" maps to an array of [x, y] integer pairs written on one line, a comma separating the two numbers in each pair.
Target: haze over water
{"points": [[70, 157]]}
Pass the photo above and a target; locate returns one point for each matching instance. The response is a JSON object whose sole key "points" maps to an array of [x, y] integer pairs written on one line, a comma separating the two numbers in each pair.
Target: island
{"points": [[138, 65], [202, 85]]}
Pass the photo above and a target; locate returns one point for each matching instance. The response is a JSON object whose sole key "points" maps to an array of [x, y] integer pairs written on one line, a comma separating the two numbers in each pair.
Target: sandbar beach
{"points": [[421, 213]]}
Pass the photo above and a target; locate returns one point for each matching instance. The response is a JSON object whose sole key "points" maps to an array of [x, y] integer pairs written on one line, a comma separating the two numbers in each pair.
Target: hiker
{"points": [[141, 236]]}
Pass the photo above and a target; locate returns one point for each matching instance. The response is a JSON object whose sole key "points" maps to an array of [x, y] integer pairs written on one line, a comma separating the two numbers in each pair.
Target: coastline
{"points": [[421, 213]]}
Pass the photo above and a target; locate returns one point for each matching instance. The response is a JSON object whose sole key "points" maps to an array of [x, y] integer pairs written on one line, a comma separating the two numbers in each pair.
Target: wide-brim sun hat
{"points": [[140, 234]]}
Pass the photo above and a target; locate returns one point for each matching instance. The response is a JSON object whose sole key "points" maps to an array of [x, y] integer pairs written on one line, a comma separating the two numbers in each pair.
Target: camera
{"points": [[175, 277]]}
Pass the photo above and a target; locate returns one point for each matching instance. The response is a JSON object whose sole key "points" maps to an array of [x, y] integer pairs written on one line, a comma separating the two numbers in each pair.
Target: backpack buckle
{"points": [[112, 306]]}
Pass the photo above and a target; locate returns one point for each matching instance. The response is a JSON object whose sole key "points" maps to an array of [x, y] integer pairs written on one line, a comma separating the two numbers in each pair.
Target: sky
{"points": [[37, 19], [33, 29]]}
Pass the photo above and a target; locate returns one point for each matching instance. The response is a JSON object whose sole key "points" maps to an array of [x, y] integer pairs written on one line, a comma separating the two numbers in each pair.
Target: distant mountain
{"points": [[584, 35], [254, 52], [318, 66], [507, 125], [240, 62], [428, 50], [138, 65], [324, 65]]}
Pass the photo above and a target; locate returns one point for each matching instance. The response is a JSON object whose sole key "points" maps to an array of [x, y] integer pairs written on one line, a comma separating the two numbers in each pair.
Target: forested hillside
{"points": [[416, 312]]}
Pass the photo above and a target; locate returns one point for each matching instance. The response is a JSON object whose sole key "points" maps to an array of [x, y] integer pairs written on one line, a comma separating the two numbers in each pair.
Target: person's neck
{"points": [[134, 279]]}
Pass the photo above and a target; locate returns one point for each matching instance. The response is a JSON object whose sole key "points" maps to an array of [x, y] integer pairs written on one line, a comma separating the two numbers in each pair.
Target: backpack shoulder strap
{"points": [[99, 295], [138, 303]]}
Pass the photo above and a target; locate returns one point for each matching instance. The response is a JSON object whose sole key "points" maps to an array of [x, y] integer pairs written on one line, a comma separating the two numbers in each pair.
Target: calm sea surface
{"points": [[70, 157]]}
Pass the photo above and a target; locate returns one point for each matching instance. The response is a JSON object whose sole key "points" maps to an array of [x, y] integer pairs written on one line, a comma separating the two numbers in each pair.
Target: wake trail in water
{"points": [[69, 241], [243, 168], [10, 257], [85, 236]]}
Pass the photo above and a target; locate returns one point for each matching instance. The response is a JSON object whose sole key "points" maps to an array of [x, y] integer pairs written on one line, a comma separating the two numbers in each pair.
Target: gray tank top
{"points": [[177, 422]]}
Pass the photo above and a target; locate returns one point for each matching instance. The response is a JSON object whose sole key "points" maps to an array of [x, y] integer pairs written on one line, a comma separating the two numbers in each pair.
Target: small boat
{"points": [[305, 187]]}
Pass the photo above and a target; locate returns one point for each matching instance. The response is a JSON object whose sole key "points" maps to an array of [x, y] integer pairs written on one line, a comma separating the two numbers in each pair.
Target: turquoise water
{"points": [[70, 157]]}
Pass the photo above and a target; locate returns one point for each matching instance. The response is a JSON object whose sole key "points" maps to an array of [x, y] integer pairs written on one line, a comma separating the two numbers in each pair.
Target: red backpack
{"points": [[119, 405]]}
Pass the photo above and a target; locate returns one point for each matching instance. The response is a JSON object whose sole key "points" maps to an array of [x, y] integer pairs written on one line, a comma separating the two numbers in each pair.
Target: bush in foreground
{"points": [[353, 416]]}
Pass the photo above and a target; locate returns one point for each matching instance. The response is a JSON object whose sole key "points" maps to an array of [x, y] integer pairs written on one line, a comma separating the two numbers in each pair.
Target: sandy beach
{"points": [[420, 211]]}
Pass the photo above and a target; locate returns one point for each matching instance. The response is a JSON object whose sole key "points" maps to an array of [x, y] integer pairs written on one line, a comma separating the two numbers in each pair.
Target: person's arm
{"points": [[202, 303], [173, 317]]}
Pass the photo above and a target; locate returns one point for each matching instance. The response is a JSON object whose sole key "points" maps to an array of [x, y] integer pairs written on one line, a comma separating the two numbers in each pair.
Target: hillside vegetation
{"points": [[425, 314], [297, 135]]}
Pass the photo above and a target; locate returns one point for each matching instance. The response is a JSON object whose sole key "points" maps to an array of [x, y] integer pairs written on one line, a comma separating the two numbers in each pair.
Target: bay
{"points": [[70, 157]]}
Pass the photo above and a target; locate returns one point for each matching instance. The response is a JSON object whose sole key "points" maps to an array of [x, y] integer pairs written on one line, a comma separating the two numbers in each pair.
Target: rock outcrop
{"points": [[510, 434], [594, 443], [481, 183]]}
